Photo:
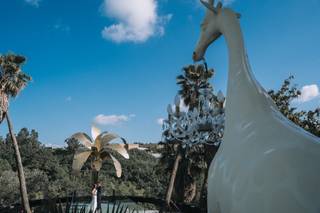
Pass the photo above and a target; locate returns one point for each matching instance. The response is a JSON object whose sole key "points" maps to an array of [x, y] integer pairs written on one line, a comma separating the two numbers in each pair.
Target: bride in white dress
{"points": [[94, 199]]}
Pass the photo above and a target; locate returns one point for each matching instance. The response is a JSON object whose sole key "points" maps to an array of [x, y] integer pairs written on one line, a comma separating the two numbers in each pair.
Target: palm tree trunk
{"points": [[190, 186], [95, 176], [190, 192], [203, 193], [173, 177], [3, 105], [22, 180]]}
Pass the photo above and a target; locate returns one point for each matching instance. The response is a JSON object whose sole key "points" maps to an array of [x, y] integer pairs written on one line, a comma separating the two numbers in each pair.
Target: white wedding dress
{"points": [[93, 205]]}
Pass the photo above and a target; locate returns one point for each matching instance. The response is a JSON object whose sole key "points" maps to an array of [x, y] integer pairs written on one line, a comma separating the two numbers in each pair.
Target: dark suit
{"points": [[99, 198]]}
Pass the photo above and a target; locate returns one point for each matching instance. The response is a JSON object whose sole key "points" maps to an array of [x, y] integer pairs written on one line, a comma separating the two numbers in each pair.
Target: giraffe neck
{"points": [[246, 100]]}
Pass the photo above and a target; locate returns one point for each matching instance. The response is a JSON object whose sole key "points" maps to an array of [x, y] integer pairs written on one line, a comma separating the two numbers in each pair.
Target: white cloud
{"points": [[137, 20], [111, 119], [160, 121], [308, 93], [68, 99], [34, 3], [61, 27]]}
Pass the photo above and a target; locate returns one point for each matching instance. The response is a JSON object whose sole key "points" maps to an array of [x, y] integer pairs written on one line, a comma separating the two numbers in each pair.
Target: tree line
{"points": [[48, 172], [179, 176]]}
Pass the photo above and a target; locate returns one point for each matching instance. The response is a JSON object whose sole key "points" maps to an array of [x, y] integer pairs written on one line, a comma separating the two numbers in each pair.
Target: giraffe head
{"points": [[211, 27]]}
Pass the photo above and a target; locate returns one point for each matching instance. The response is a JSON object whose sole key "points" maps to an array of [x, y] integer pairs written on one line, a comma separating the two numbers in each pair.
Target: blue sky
{"points": [[115, 61]]}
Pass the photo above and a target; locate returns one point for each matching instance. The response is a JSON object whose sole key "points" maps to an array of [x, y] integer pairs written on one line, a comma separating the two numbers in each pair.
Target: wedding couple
{"points": [[96, 198]]}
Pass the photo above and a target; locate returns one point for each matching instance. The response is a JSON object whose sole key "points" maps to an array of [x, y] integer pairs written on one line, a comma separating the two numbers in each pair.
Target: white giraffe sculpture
{"points": [[265, 164]]}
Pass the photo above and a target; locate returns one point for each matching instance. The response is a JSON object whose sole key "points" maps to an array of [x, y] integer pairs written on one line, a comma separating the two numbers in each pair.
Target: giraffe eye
{"points": [[203, 26]]}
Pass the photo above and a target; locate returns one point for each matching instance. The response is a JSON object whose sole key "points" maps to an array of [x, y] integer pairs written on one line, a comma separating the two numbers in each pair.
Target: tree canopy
{"points": [[48, 170]]}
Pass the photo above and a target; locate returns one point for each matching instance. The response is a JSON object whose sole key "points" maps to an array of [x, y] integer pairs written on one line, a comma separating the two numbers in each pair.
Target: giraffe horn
{"points": [[209, 6]]}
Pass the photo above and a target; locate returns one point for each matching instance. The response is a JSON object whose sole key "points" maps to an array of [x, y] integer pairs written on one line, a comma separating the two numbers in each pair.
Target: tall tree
{"points": [[193, 132], [284, 97], [12, 81]]}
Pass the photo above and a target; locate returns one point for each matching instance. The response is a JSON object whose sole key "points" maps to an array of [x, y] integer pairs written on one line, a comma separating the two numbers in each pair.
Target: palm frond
{"points": [[12, 79]]}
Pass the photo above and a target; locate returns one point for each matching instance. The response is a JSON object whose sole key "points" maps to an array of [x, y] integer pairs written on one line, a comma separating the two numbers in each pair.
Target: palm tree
{"points": [[99, 148], [191, 160], [12, 81], [179, 156], [183, 167], [194, 79]]}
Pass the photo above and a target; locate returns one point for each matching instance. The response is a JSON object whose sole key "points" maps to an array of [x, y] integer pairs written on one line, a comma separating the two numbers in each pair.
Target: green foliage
{"points": [[48, 172], [12, 79], [37, 182], [309, 120], [284, 97], [4, 165], [9, 185]]}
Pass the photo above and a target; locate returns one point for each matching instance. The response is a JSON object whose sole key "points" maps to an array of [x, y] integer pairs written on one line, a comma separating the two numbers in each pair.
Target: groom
{"points": [[99, 188]]}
